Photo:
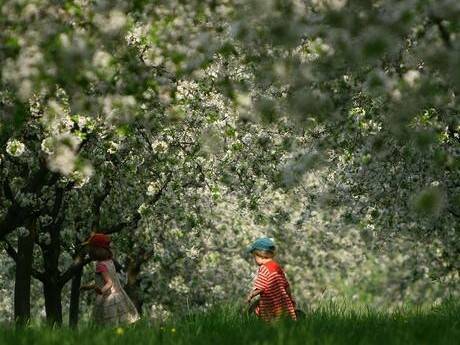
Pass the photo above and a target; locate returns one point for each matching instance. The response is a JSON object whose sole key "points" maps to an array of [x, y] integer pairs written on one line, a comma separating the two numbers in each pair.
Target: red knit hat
{"points": [[98, 240]]}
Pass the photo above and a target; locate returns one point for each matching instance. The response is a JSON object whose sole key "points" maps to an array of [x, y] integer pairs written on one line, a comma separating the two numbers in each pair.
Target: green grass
{"points": [[331, 324]]}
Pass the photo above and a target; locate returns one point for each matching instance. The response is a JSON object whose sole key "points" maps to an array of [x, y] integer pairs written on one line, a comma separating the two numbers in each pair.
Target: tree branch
{"points": [[79, 262], [15, 217], [10, 250], [121, 226], [98, 200], [12, 253], [8, 192], [147, 255]]}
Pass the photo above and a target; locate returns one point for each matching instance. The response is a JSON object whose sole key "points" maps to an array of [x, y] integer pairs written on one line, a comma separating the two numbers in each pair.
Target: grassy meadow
{"points": [[330, 324]]}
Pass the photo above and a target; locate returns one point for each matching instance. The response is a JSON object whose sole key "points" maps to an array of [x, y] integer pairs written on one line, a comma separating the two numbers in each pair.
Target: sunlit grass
{"points": [[330, 324]]}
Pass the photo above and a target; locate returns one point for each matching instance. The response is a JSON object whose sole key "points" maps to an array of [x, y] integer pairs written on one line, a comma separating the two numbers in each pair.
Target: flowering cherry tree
{"points": [[187, 129]]}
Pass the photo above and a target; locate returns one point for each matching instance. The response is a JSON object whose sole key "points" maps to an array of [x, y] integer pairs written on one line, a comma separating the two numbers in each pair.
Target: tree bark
{"points": [[52, 286], [23, 278], [53, 301], [132, 287], [74, 311]]}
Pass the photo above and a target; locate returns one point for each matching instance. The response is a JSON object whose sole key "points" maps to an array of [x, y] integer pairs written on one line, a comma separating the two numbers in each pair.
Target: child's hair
{"points": [[266, 254], [99, 253]]}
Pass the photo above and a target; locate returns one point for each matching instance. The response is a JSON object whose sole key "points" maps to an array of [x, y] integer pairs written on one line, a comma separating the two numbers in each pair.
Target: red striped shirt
{"points": [[275, 299]]}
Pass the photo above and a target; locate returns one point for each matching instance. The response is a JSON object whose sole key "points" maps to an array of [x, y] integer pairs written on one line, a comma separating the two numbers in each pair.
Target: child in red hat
{"points": [[112, 305]]}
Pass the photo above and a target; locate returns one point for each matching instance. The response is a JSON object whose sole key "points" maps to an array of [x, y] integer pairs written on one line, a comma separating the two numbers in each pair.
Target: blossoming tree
{"points": [[186, 129]]}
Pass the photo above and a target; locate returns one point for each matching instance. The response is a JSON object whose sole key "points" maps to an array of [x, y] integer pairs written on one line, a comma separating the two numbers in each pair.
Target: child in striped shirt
{"points": [[270, 283]]}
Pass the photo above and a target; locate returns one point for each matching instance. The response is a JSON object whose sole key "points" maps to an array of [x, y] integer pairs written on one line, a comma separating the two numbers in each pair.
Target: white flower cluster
{"points": [[178, 285], [111, 23], [23, 231], [411, 77], [15, 148], [82, 174], [153, 188], [186, 89], [160, 146], [63, 160], [56, 118], [335, 5], [159, 313], [63, 156], [119, 108], [103, 63], [24, 70], [45, 238]]}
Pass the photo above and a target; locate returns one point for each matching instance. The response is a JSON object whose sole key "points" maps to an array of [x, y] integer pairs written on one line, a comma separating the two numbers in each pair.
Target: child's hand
{"points": [[253, 294]]}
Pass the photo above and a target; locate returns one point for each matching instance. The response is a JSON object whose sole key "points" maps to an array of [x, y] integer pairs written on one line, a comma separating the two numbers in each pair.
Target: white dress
{"points": [[115, 307]]}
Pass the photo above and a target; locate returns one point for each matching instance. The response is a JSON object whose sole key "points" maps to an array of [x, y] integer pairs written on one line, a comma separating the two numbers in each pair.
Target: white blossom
{"points": [[153, 188], [45, 238], [159, 146], [330, 4], [113, 23], [15, 148], [23, 231], [63, 160], [411, 77], [47, 145], [102, 59], [178, 285], [159, 313]]}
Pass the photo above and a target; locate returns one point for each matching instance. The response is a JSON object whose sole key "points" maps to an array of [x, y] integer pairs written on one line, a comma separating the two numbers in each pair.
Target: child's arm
{"points": [[87, 287], [91, 287], [108, 284], [253, 294], [260, 284]]}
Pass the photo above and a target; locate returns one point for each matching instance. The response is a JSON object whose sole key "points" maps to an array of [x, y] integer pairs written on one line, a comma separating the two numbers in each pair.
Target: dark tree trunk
{"points": [[74, 310], [23, 278], [52, 284], [14, 217], [53, 301], [132, 287]]}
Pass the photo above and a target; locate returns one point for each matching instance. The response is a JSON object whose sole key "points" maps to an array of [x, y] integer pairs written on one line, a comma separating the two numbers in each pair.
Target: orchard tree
{"points": [[186, 129]]}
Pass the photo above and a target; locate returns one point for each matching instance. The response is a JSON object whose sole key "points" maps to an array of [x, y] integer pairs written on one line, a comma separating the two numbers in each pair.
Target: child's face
{"points": [[260, 260]]}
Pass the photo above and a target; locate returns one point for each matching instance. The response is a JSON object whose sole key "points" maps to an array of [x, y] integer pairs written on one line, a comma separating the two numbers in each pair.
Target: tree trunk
{"points": [[133, 283], [52, 285], [53, 300], [75, 299], [23, 278]]}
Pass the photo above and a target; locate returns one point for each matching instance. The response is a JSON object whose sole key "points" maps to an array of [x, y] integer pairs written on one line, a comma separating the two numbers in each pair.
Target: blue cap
{"points": [[262, 243]]}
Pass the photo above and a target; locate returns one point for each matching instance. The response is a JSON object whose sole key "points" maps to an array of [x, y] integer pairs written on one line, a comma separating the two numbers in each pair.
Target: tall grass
{"points": [[330, 324]]}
